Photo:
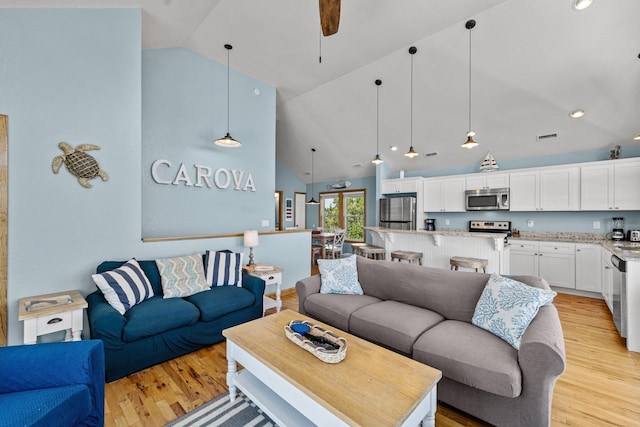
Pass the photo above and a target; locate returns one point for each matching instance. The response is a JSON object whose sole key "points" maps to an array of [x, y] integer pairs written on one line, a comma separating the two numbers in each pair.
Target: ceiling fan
{"points": [[329, 16]]}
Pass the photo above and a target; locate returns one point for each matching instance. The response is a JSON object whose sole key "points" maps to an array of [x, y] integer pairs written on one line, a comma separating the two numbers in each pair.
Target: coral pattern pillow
{"points": [[507, 307], [339, 276], [182, 276], [125, 286]]}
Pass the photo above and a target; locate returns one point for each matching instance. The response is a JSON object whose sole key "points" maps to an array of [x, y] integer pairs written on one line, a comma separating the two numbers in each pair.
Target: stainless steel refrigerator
{"points": [[398, 213]]}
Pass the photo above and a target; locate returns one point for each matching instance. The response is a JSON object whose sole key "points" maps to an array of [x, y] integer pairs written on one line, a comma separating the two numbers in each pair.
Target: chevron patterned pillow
{"points": [[182, 276]]}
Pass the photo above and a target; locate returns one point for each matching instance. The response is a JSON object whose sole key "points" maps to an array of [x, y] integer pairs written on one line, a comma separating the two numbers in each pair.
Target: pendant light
{"points": [[228, 141], [377, 160], [412, 153], [312, 201], [470, 143]]}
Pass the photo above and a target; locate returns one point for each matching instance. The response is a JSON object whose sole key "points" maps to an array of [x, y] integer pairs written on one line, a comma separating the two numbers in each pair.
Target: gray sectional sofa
{"points": [[425, 313]]}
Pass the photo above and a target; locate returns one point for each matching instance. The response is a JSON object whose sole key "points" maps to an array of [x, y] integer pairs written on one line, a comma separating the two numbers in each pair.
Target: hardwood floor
{"points": [[600, 387]]}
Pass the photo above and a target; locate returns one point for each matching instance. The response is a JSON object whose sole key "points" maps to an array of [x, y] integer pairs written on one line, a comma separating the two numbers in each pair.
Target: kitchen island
{"points": [[439, 246]]}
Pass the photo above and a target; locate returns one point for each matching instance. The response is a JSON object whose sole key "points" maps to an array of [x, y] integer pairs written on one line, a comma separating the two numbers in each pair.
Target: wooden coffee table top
{"points": [[372, 386]]}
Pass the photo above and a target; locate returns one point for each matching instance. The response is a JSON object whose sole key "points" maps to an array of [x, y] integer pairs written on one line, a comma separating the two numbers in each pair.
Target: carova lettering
{"points": [[222, 178]]}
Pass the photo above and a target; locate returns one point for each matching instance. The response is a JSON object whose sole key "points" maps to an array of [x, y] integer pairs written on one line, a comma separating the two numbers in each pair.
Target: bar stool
{"points": [[355, 248], [372, 251], [477, 263], [407, 255]]}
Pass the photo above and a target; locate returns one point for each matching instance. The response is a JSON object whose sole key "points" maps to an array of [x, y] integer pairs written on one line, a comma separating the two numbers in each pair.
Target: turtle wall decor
{"points": [[79, 163]]}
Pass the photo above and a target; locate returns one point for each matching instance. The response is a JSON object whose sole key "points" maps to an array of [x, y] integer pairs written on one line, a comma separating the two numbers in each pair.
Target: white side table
{"points": [[270, 277], [40, 321]]}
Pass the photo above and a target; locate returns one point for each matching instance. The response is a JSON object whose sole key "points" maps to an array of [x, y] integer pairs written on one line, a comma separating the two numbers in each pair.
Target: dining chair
{"points": [[335, 248]]}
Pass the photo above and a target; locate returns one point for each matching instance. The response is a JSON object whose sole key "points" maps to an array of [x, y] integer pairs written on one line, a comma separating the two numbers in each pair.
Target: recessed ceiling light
{"points": [[637, 137], [394, 148], [581, 4], [576, 114]]}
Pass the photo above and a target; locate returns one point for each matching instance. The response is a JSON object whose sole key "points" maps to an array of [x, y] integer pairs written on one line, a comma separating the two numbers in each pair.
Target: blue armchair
{"points": [[54, 384]]}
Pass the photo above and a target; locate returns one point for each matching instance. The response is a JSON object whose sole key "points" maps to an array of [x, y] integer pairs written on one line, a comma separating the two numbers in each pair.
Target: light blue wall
{"points": [[289, 183], [184, 96], [75, 75]]}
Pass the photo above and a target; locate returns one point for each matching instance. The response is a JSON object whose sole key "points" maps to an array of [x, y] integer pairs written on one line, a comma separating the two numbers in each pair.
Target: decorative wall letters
{"points": [[204, 176]]}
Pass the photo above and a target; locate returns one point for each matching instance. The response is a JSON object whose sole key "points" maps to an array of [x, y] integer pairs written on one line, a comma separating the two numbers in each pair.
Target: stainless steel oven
{"points": [[487, 199]]}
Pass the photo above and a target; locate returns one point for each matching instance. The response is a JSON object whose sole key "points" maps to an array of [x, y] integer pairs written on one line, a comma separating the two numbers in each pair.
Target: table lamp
{"points": [[251, 241]]}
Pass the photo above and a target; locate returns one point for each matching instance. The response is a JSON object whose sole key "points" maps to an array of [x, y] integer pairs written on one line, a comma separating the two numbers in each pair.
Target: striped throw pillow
{"points": [[182, 276], [223, 268], [125, 286]]}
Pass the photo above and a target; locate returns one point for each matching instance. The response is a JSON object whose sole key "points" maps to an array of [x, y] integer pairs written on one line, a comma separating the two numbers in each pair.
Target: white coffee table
{"points": [[372, 386]]}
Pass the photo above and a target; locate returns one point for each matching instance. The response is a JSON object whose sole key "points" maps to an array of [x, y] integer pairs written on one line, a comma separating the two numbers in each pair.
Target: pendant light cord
{"points": [[411, 119], [378, 120], [313, 150], [228, 49], [320, 46], [469, 80]]}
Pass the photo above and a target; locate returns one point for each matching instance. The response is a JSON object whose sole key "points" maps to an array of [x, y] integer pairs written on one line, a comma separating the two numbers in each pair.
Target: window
{"points": [[344, 209]]}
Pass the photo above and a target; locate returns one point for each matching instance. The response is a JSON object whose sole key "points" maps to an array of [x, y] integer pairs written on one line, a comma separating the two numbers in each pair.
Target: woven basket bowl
{"points": [[328, 356]]}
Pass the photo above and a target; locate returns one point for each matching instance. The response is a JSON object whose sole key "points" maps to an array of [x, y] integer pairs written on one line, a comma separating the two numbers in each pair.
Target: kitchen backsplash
{"points": [[574, 222]]}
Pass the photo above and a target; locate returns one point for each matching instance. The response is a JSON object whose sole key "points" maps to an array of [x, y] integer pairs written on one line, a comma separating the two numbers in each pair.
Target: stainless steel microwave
{"points": [[487, 199]]}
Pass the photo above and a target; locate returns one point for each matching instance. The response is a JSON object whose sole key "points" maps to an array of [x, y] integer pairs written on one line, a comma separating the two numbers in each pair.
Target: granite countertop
{"points": [[442, 232], [617, 248]]}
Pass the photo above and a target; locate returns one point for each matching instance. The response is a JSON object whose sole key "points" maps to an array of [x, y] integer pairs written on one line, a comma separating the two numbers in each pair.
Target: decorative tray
{"points": [[323, 344]]}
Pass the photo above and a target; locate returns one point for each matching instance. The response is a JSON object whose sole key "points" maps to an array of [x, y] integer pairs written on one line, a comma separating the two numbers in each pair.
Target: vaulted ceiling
{"points": [[532, 63]]}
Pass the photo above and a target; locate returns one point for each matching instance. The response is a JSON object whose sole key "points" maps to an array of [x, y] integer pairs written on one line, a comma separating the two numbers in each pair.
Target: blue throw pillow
{"points": [[339, 276], [223, 268], [125, 286], [507, 307]]}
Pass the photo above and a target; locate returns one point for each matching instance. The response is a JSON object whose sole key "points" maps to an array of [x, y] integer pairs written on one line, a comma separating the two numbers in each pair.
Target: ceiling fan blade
{"points": [[329, 16]]}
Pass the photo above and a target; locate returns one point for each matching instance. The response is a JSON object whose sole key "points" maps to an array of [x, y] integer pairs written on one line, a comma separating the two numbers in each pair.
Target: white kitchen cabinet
{"points": [[487, 180], [556, 189], [588, 268], [523, 194], [444, 195], [401, 185], [555, 262], [523, 258], [610, 186], [626, 179]]}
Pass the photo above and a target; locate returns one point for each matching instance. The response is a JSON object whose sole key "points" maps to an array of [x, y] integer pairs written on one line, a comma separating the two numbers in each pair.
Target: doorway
{"points": [[278, 220], [4, 225], [300, 212]]}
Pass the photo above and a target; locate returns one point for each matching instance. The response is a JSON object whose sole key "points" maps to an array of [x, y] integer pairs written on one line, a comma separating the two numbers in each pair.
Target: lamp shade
{"points": [[251, 238]]}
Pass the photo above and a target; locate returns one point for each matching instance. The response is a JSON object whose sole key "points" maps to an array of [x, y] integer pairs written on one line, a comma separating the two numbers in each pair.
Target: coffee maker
{"points": [[617, 233], [430, 224]]}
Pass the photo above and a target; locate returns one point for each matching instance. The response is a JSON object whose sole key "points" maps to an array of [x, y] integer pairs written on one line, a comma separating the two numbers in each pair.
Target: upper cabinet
{"points": [[611, 186], [444, 195], [394, 186], [556, 189], [487, 180]]}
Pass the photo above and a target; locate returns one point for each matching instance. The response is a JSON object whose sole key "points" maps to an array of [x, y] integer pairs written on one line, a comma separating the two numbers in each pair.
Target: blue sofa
{"points": [[158, 329], [54, 384]]}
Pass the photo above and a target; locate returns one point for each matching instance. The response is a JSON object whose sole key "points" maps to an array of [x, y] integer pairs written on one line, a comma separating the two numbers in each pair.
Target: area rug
{"points": [[220, 412]]}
